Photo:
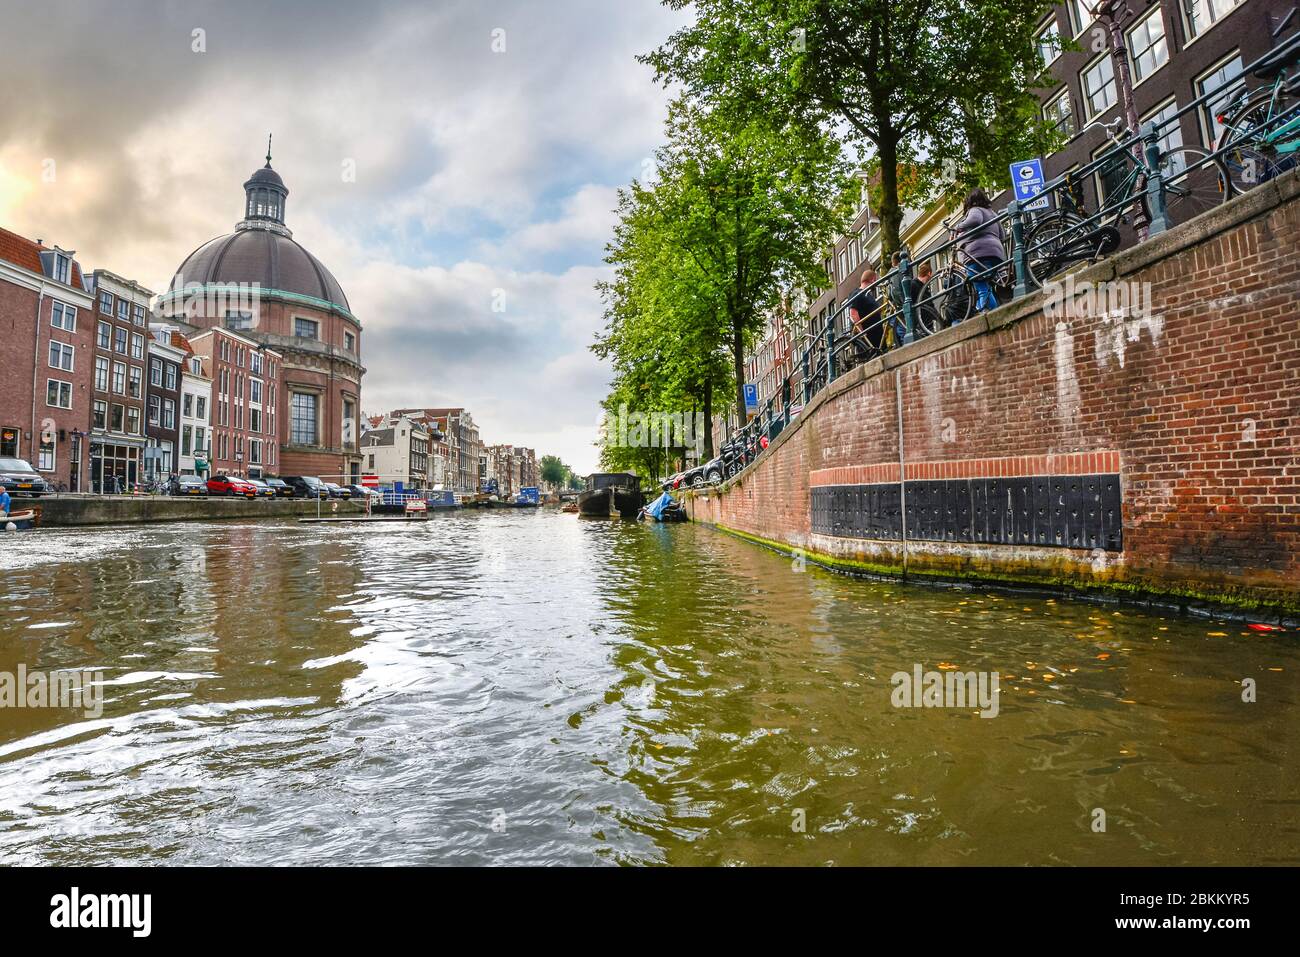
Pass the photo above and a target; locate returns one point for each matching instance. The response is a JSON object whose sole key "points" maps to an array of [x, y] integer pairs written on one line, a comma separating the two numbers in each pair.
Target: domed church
{"points": [[261, 284]]}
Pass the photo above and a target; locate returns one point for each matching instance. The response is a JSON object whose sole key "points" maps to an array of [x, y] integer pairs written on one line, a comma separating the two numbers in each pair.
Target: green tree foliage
{"points": [[552, 470], [939, 91], [742, 206]]}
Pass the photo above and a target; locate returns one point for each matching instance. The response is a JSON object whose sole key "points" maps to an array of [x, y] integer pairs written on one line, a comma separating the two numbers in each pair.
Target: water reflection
{"points": [[527, 687]]}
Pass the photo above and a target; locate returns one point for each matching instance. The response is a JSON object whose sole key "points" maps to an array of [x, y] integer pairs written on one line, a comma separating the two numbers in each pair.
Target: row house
{"points": [[528, 477], [196, 422], [456, 443], [117, 419], [167, 352], [397, 451], [46, 310], [244, 381]]}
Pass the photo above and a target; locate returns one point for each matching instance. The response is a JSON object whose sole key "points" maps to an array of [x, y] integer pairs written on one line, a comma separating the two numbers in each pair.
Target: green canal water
{"points": [[531, 688]]}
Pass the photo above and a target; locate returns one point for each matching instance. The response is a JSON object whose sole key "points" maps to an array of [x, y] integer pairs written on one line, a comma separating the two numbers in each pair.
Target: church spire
{"points": [[268, 150], [264, 198]]}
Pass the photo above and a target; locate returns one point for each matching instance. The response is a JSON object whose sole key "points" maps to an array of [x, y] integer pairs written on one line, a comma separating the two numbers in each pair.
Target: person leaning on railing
{"points": [[864, 315], [980, 234]]}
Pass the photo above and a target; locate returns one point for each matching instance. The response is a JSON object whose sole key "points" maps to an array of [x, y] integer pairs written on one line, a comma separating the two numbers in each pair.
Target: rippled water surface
{"points": [[528, 687]]}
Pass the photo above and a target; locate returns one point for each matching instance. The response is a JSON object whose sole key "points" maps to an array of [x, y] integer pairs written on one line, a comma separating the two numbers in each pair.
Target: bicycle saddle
{"points": [[1285, 55]]}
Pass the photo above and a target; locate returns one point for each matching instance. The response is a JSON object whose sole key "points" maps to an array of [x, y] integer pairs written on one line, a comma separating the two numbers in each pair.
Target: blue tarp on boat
{"points": [[656, 508]]}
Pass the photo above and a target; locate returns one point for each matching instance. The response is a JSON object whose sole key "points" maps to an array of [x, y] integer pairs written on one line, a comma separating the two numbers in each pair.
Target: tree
{"points": [[743, 206], [552, 470], [941, 89]]}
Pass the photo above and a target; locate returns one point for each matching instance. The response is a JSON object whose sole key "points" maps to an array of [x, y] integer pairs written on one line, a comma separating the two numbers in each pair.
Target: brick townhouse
{"points": [[166, 353], [244, 410], [46, 329], [121, 333]]}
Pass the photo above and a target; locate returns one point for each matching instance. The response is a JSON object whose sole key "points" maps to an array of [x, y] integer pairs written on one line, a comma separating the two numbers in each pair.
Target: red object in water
{"points": [[1263, 627]]}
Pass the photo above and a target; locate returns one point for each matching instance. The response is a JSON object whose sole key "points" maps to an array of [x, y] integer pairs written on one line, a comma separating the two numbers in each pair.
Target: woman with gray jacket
{"points": [[981, 241]]}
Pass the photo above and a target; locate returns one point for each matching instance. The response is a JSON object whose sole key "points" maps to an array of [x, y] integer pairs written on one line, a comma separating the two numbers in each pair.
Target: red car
{"points": [[227, 485]]}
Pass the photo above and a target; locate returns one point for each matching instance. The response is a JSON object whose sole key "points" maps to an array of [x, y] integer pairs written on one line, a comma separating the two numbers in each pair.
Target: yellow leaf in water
{"points": [[1103, 656], [1127, 701], [1217, 634], [947, 666], [1274, 669]]}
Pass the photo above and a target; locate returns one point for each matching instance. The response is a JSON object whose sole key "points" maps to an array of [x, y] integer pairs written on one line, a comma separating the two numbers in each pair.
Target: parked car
{"points": [[306, 486], [19, 478], [187, 485], [672, 482], [230, 485], [337, 491], [693, 478], [715, 470], [361, 492], [263, 490], [282, 488]]}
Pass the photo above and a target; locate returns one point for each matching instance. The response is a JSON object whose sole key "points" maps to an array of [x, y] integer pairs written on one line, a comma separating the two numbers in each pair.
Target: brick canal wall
{"points": [[1150, 451], [65, 510]]}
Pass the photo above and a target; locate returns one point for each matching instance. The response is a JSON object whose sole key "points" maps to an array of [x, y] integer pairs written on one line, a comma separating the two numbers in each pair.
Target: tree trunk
{"points": [[738, 358], [891, 213], [708, 421]]}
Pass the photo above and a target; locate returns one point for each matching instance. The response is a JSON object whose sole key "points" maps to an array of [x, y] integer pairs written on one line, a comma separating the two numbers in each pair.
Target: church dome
{"points": [[262, 250]]}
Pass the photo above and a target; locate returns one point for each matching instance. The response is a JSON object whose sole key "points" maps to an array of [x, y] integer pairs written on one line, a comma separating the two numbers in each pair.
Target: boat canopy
{"points": [[598, 480]]}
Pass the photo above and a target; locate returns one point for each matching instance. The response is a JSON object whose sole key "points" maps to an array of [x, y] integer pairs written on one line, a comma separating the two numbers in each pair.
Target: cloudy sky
{"points": [[482, 175]]}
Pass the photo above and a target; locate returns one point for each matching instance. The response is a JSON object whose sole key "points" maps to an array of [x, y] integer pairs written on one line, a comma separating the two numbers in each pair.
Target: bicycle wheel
{"points": [[1247, 159], [950, 296], [1047, 246], [1192, 183]]}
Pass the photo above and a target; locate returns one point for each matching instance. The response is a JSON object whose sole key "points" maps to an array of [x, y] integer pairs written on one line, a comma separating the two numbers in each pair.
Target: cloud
{"points": [[475, 170]]}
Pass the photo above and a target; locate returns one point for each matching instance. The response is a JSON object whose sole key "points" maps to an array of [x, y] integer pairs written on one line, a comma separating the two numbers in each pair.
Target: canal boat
{"points": [[610, 494], [22, 521]]}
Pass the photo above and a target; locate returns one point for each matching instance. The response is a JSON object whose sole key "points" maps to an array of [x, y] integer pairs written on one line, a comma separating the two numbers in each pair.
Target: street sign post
{"points": [[370, 481], [1027, 181], [751, 398]]}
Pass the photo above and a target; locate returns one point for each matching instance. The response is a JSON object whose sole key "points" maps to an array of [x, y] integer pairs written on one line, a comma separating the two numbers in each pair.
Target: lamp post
{"points": [[1113, 16]]}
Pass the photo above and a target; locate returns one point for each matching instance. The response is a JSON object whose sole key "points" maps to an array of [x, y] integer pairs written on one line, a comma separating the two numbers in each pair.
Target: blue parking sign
{"points": [[1027, 181], [751, 397]]}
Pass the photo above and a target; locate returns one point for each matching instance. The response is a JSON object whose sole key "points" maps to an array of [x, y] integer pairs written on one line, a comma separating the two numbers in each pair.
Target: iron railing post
{"points": [[1155, 182], [806, 377], [830, 349], [905, 274], [1017, 217]]}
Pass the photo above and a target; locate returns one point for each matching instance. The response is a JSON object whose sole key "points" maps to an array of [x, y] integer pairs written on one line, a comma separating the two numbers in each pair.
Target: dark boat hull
{"points": [[628, 502], [596, 503]]}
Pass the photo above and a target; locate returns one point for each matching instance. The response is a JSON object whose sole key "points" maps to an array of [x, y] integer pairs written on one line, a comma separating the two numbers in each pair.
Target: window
{"points": [[63, 317], [137, 383], [119, 378], [99, 414], [238, 320], [1203, 14], [187, 406], [106, 302], [255, 451], [124, 310], [60, 356], [137, 346], [101, 374], [1099, 85], [302, 418], [155, 372], [199, 447], [155, 409], [137, 315], [1112, 173], [1081, 14], [255, 390], [133, 420], [115, 420], [254, 420], [61, 270], [169, 413], [306, 328], [58, 394], [255, 363], [1059, 113], [104, 337], [1171, 134], [1147, 45], [1223, 82], [201, 407], [119, 340], [187, 438], [171, 376], [1049, 42], [45, 455]]}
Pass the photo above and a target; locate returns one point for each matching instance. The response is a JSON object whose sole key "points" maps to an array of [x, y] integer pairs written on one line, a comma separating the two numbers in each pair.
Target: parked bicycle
{"points": [[1069, 236], [1259, 134], [948, 296]]}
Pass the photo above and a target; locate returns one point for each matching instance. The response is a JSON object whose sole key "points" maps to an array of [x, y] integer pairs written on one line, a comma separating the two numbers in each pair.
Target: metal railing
{"points": [[1159, 180]]}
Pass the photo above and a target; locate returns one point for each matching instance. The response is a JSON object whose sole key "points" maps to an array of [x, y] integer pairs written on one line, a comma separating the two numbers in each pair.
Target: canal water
{"points": [[525, 687]]}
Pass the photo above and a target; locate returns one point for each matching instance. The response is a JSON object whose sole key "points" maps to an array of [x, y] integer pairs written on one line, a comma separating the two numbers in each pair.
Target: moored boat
{"points": [[21, 521], [611, 493]]}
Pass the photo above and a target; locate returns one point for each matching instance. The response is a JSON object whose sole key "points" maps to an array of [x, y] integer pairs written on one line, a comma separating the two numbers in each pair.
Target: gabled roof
{"points": [[26, 254]]}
